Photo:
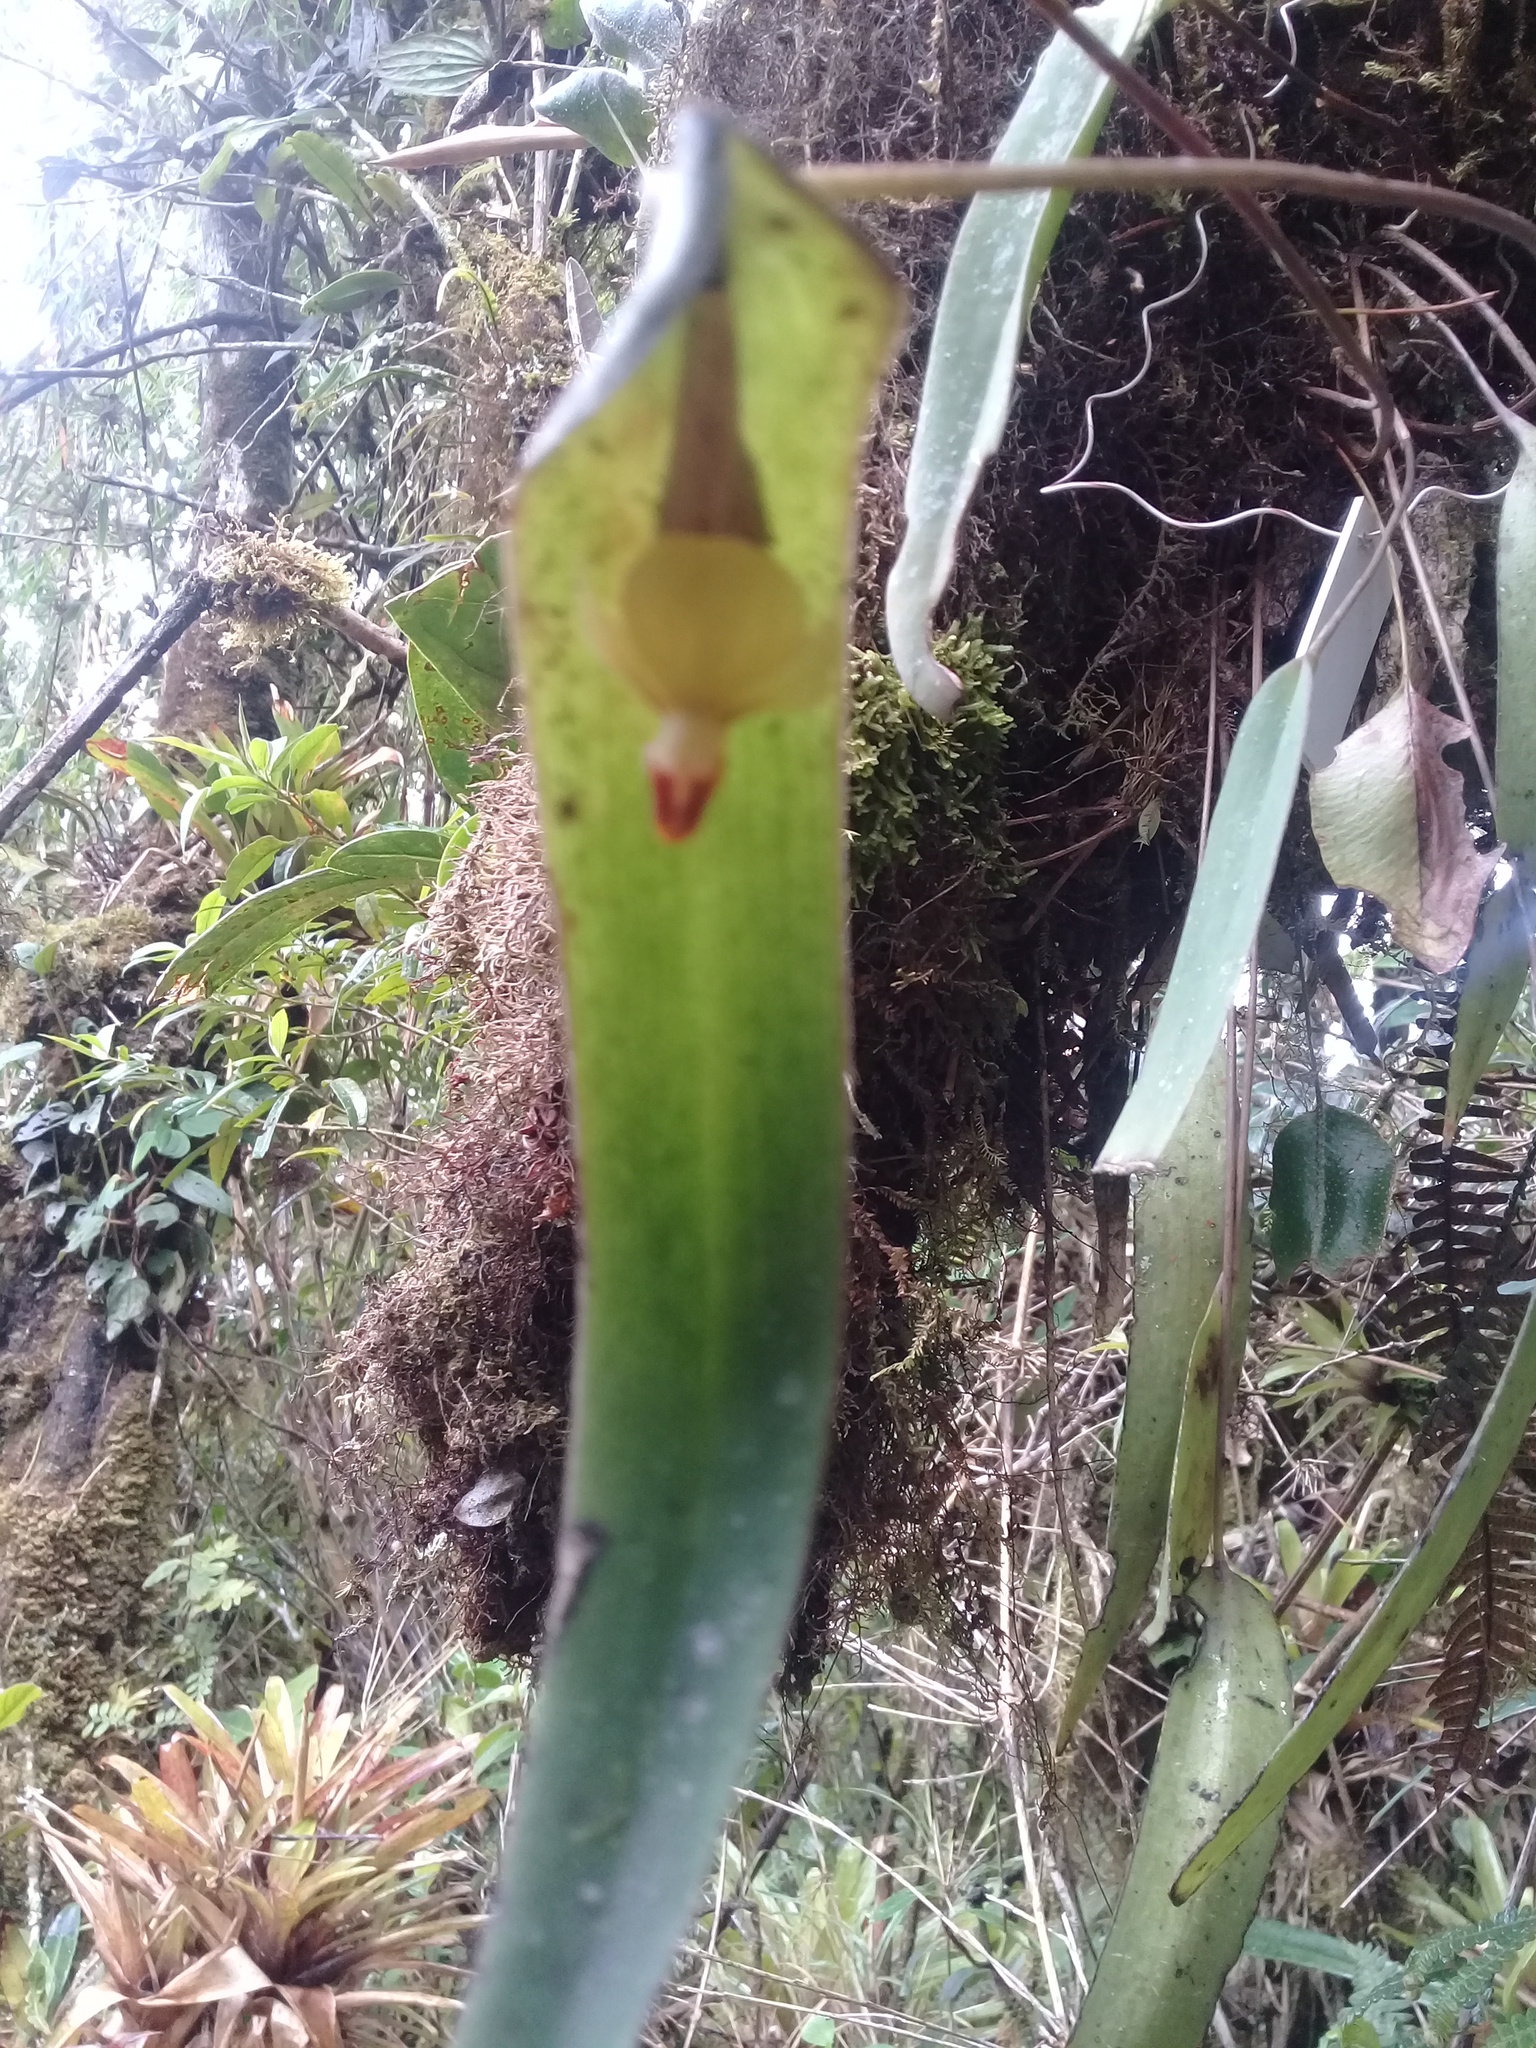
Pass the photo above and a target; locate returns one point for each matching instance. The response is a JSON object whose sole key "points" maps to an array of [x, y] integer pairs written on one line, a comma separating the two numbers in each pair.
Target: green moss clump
{"points": [[77, 1544], [924, 792], [934, 872]]}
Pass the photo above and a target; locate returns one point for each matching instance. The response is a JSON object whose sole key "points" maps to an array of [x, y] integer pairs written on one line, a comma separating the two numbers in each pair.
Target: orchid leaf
{"points": [[1222, 920], [1178, 1240], [1514, 761], [999, 259], [1498, 966], [680, 551]]}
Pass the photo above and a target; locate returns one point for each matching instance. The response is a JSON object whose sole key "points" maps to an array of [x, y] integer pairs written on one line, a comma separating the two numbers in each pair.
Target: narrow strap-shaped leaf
{"points": [[702, 942], [1514, 761], [1223, 917], [1178, 1239], [1162, 1966], [1498, 962], [999, 258], [1397, 1613]]}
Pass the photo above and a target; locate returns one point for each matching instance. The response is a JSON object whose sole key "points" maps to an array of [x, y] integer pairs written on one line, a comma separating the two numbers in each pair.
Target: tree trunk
{"points": [[87, 1430]]}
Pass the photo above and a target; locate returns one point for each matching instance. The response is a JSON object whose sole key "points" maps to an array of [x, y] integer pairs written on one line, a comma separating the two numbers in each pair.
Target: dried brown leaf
{"points": [[1390, 818]]}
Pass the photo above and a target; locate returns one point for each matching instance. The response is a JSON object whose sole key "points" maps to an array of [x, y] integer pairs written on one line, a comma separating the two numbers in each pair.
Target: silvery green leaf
{"points": [[645, 33], [999, 258], [128, 1301]]}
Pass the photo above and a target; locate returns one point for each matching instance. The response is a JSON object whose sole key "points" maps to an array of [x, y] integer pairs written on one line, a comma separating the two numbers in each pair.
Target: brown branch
{"points": [[44, 380], [364, 633], [915, 182], [188, 605]]}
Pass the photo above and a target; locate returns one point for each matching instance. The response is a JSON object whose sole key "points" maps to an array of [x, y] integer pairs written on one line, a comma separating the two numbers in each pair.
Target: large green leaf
{"points": [[604, 106], [999, 258], [1162, 1966], [1498, 964], [404, 858], [1514, 761], [330, 166], [704, 972], [1328, 1199], [459, 667], [1397, 1612], [1223, 917], [433, 62], [1178, 1237], [356, 288]]}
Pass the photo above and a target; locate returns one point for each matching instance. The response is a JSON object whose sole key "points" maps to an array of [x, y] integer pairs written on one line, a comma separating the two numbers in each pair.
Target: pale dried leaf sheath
{"points": [[1390, 818]]}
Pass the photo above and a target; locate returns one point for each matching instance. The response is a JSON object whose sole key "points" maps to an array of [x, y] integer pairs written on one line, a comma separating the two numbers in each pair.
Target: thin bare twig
{"points": [[961, 179], [188, 605]]}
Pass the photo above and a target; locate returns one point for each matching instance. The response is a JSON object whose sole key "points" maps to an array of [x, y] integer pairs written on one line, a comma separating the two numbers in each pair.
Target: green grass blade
{"points": [[1178, 1267], [1461, 1507], [706, 995], [999, 258], [1222, 920]]}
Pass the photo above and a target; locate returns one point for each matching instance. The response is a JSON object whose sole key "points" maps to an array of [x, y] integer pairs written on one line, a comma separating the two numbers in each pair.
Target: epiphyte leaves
{"points": [[331, 167], [645, 33], [1222, 920], [1514, 761], [458, 663], [1390, 818], [1328, 1199], [1162, 1966], [1498, 965], [355, 288], [565, 25], [705, 991], [1178, 1252], [606, 108], [433, 63], [403, 858], [1398, 1611], [999, 257]]}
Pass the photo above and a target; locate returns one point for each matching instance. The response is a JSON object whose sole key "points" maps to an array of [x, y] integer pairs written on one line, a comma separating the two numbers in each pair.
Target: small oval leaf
{"points": [[1328, 1201]]}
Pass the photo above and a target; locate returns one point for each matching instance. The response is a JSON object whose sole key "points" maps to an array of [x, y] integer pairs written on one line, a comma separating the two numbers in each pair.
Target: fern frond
{"points": [[1491, 1642], [1432, 1959]]}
